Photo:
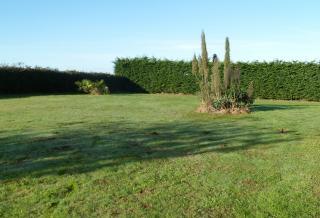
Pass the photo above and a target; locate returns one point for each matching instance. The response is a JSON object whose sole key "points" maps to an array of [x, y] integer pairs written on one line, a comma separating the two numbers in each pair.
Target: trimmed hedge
{"points": [[20, 80], [283, 80], [272, 80], [157, 76]]}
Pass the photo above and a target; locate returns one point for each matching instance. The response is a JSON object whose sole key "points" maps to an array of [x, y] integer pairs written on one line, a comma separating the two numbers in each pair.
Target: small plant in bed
{"points": [[93, 87], [217, 96]]}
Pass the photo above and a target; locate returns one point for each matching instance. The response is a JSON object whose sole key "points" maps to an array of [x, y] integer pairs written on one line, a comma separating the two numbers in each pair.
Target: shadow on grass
{"points": [[80, 149], [15, 96], [257, 108]]}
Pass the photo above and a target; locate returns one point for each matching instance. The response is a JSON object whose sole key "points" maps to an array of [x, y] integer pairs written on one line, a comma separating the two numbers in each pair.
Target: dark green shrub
{"points": [[232, 100], [224, 102], [93, 87]]}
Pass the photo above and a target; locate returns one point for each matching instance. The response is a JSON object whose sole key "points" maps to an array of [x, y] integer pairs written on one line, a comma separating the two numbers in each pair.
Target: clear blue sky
{"points": [[89, 34]]}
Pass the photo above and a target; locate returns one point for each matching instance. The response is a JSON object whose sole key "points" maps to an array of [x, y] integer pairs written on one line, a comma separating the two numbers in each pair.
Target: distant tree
{"points": [[227, 65]]}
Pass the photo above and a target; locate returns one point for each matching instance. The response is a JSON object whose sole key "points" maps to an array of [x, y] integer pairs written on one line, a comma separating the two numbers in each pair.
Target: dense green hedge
{"points": [[283, 80], [272, 80], [157, 76], [24, 80]]}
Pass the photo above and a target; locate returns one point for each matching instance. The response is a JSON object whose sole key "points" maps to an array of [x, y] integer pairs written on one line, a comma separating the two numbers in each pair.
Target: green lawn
{"points": [[152, 155]]}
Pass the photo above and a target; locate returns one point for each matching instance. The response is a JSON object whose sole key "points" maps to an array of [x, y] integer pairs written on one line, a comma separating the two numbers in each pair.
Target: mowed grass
{"points": [[153, 156]]}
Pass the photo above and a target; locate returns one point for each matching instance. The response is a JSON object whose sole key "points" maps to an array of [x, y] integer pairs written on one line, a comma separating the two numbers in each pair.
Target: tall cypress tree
{"points": [[213, 90], [201, 78], [205, 69], [216, 79], [195, 66], [227, 67], [204, 53], [197, 71]]}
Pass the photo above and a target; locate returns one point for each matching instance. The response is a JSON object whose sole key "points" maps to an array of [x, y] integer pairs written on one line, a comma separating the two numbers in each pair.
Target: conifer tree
{"points": [[215, 78], [197, 72], [227, 65], [205, 70], [195, 66], [204, 54], [201, 79]]}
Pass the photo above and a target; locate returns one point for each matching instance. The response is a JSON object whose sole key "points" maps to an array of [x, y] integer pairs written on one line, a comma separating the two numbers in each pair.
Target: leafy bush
{"points": [[93, 87], [233, 98]]}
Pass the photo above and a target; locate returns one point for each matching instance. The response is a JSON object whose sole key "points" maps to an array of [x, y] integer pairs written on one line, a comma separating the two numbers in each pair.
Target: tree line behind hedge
{"points": [[25, 80], [272, 80]]}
